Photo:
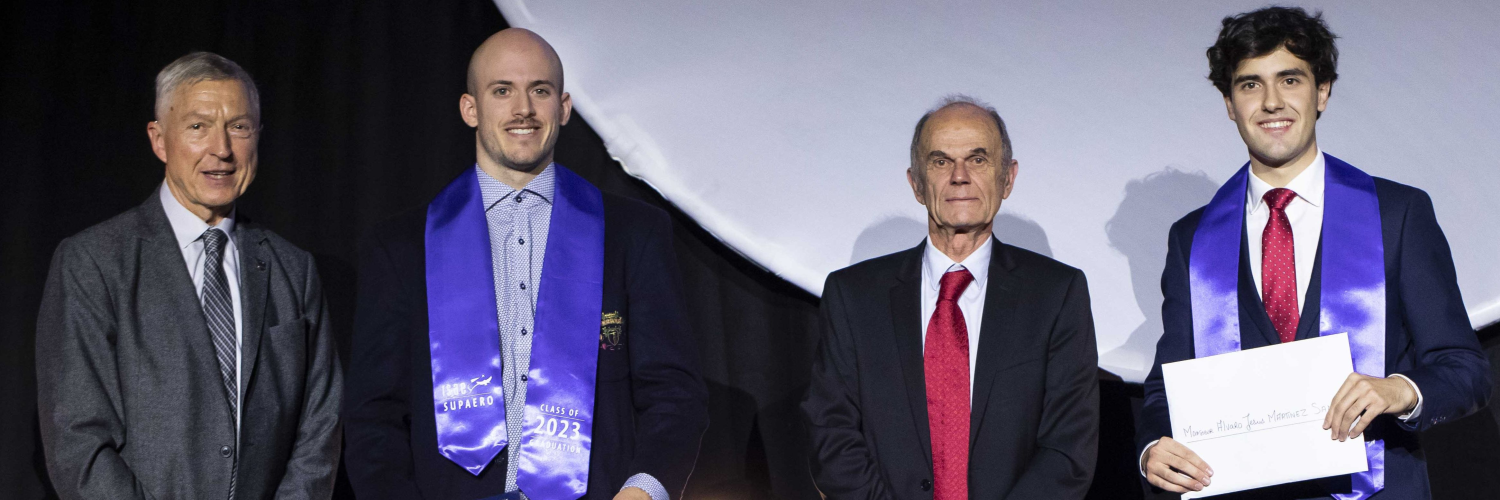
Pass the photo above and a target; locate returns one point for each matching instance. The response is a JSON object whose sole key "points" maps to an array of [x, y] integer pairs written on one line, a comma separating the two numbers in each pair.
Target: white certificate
{"points": [[1256, 416]]}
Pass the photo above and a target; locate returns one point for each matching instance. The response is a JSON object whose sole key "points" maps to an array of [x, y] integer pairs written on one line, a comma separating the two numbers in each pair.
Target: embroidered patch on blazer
{"points": [[612, 332]]}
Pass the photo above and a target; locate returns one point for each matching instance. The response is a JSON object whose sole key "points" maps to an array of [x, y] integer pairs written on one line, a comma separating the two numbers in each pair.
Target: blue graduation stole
{"points": [[1353, 277], [464, 336]]}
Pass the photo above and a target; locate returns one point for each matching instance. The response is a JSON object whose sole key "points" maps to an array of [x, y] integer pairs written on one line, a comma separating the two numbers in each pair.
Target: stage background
{"points": [[359, 103], [751, 115]]}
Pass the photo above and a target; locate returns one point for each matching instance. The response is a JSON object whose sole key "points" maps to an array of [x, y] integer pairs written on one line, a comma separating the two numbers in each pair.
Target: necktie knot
{"points": [[1279, 198], [953, 284], [213, 241]]}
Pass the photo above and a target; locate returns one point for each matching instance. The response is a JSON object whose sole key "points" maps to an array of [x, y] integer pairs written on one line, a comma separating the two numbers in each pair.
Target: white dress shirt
{"points": [[519, 221], [934, 265], [189, 229], [1306, 215], [1305, 212]]}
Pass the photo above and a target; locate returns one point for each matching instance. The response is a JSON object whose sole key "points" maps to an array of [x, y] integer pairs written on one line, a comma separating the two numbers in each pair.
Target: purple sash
{"points": [[465, 342], [1353, 281]]}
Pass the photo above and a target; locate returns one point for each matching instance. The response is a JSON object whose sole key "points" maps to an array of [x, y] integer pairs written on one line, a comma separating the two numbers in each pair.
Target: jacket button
{"points": [[225, 451], [926, 485]]}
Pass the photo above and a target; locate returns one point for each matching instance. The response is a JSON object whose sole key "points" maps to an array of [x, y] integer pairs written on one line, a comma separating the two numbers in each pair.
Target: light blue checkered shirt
{"points": [[518, 224]]}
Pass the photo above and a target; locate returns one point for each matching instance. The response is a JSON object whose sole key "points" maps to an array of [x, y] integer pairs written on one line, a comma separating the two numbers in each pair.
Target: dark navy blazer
{"points": [[1428, 338], [650, 404]]}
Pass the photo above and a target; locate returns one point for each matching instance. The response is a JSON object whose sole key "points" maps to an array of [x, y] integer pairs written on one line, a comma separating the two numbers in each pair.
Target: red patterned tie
{"points": [[1278, 266], [946, 366]]}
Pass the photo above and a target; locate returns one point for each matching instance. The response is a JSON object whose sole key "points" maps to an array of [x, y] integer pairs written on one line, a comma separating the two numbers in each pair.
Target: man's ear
{"points": [[1010, 178], [468, 108], [1229, 108], [158, 141], [567, 105], [916, 186], [1324, 90]]}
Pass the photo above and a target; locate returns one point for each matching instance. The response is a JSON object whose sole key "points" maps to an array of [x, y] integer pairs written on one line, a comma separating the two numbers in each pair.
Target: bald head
{"points": [[959, 104], [516, 104], [513, 48]]}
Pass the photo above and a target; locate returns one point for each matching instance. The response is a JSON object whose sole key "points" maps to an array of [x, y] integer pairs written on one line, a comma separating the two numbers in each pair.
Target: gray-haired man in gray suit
{"points": [[182, 350]]}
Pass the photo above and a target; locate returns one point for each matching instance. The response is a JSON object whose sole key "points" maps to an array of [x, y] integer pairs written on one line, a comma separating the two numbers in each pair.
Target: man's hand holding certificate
{"points": [[1265, 416]]}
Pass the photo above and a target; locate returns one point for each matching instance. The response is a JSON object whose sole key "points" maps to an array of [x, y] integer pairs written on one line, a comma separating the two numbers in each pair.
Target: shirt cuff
{"points": [[1138, 461], [1415, 410], [644, 481]]}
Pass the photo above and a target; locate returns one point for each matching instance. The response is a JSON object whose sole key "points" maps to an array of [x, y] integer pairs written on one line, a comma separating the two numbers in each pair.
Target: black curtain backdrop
{"points": [[359, 101]]}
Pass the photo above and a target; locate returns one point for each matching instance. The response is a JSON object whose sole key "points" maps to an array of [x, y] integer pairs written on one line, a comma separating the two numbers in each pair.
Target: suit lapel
{"points": [[906, 313], [999, 332], [255, 262], [1307, 323], [1250, 302], [162, 257]]}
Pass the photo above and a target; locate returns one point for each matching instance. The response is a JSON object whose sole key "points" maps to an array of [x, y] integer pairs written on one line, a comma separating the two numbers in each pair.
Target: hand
{"points": [[632, 493], [1367, 396], [1171, 466]]}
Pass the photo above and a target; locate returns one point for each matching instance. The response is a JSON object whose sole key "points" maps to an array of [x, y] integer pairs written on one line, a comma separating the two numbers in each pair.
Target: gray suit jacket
{"points": [[129, 393]]}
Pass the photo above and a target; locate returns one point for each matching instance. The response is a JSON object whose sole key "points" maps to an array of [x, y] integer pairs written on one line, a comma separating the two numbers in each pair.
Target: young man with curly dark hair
{"points": [[1299, 244]]}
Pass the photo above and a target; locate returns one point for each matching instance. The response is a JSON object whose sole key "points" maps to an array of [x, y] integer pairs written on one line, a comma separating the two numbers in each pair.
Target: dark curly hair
{"points": [[1257, 33]]}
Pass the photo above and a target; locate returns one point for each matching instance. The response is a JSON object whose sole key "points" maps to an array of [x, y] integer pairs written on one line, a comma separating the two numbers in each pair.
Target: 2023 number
{"points": [[558, 428]]}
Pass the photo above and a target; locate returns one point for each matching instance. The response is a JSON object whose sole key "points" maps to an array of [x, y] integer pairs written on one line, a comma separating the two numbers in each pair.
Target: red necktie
{"points": [[946, 366], [1278, 266]]}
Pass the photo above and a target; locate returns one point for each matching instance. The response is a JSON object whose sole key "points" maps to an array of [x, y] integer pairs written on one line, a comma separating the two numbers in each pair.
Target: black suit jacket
{"points": [[129, 393], [650, 407], [1427, 331], [1034, 426]]}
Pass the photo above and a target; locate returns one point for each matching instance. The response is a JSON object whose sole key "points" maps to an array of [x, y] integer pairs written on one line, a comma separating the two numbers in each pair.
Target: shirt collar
{"points": [[187, 227], [1308, 185], [492, 191], [935, 263]]}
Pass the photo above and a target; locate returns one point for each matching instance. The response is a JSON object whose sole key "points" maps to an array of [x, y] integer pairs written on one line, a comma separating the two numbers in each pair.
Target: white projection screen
{"points": [[783, 126]]}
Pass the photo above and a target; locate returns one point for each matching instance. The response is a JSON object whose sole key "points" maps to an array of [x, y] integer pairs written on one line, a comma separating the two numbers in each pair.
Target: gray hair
{"points": [[202, 66], [956, 100]]}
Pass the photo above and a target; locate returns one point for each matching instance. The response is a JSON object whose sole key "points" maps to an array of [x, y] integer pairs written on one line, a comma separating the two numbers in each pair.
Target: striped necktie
{"points": [[220, 313]]}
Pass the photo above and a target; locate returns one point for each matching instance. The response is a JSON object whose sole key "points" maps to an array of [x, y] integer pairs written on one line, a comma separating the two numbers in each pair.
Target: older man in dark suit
{"points": [[964, 367], [184, 351], [523, 333]]}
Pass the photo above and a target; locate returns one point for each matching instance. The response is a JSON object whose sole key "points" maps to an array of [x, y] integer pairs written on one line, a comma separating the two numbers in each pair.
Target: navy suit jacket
{"points": [[1428, 338], [650, 404]]}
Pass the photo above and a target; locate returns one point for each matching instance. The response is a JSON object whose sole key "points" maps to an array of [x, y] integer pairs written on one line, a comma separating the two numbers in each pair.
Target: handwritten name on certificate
{"points": [[1256, 416]]}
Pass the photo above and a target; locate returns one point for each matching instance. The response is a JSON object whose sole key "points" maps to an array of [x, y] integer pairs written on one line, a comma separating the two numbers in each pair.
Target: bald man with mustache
{"points": [[522, 335]]}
